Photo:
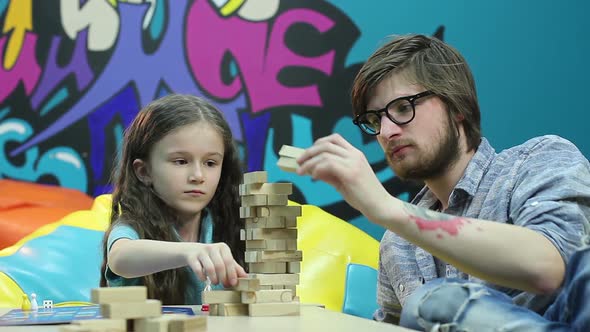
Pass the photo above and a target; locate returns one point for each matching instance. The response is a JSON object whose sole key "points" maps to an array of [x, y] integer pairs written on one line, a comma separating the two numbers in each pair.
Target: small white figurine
{"points": [[34, 305]]}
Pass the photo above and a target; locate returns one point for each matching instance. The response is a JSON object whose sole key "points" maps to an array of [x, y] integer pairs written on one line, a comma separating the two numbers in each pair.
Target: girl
{"points": [[175, 210]]}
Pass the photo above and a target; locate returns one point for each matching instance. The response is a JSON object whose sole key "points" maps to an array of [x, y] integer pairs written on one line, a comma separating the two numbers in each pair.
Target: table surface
{"points": [[312, 318]]}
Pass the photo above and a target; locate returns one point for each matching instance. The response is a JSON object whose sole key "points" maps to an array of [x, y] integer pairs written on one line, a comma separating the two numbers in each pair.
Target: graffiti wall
{"points": [[74, 73]]}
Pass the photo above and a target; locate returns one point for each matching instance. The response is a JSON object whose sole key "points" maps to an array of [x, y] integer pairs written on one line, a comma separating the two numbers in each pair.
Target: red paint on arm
{"points": [[450, 226]]}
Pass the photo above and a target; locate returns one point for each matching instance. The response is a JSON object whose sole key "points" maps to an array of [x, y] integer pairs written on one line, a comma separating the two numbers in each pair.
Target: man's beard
{"points": [[434, 165]]}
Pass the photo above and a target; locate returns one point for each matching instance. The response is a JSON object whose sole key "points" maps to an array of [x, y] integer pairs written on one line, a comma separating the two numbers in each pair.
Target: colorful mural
{"points": [[74, 73]]}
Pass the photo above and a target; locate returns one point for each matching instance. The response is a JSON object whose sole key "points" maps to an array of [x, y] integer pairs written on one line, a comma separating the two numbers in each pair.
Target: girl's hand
{"points": [[216, 262]]}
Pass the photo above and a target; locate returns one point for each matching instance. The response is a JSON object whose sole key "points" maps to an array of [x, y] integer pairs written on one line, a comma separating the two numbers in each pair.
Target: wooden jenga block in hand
{"points": [[290, 151], [287, 158], [118, 294], [288, 164]]}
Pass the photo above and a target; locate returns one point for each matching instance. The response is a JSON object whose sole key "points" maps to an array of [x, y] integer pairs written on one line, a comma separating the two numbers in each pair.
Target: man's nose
{"points": [[388, 128]]}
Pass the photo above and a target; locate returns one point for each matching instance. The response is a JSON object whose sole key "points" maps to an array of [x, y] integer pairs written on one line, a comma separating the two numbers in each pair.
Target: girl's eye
{"points": [[211, 163], [179, 161]]}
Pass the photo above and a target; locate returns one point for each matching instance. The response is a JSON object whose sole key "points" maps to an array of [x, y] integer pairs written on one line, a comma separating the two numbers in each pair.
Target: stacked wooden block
{"points": [[128, 309], [271, 253]]}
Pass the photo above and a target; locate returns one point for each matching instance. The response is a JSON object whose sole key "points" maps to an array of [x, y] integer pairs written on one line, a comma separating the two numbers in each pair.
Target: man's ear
{"points": [[142, 171]]}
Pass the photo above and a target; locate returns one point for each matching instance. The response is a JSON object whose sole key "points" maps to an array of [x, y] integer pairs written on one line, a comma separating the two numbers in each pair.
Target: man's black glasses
{"points": [[400, 111]]}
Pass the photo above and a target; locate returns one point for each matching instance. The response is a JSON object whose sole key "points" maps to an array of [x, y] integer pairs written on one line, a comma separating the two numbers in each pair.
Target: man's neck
{"points": [[442, 186]]}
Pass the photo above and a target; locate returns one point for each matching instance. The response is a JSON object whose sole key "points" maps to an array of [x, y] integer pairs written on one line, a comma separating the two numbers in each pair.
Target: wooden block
{"points": [[118, 294], [266, 188], [287, 244], [247, 212], [268, 296], [214, 310], [221, 296], [293, 267], [277, 199], [110, 324], [288, 164], [276, 279], [171, 323], [271, 222], [274, 309], [273, 256], [232, 309], [290, 151], [270, 233], [264, 200], [76, 328], [247, 284], [125, 310], [268, 267], [255, 177], [186, 323], [254, 200], [278, 211]]}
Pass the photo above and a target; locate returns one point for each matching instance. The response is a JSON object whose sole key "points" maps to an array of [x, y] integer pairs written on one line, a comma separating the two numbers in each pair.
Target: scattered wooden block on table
{"points": [[126, 310], [118, 294], [188, 323], [110, 324], [274, 309], [268, 296], [221, 296], [171, 323]]}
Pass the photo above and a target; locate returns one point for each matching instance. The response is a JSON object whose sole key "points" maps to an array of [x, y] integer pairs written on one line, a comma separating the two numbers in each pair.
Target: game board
{"points": [[64, 315]]}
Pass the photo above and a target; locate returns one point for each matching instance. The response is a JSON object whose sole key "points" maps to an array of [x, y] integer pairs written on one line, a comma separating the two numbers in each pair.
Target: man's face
{"points": [[424, 148]]}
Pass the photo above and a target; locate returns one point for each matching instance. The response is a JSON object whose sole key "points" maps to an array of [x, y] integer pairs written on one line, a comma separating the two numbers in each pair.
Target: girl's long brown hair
{"points": [[135, 204]]}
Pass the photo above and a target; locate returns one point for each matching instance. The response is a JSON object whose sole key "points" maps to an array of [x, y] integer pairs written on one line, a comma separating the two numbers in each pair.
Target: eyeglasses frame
{"points": [[411, 99]]}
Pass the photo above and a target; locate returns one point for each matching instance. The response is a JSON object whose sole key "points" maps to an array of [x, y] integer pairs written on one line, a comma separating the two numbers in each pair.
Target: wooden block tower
{"points": [[128, 309], [271, 253]]}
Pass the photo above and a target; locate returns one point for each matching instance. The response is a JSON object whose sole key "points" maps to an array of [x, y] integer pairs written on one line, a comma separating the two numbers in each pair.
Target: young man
{"points": [[508, 221]]}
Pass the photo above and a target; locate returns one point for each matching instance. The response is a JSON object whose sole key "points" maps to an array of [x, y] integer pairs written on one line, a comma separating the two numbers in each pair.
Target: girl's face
{"points": [[184, 168]]}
